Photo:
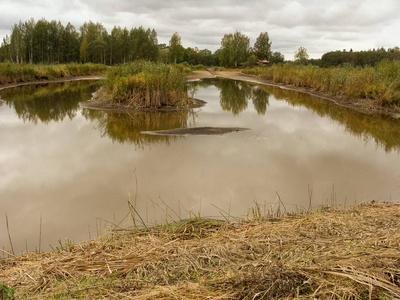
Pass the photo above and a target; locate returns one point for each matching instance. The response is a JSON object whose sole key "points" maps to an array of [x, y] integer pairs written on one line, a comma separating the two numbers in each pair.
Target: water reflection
{"points": [[125, 127], [48, 102], [235, 95], [383, 130], [56, 101]]}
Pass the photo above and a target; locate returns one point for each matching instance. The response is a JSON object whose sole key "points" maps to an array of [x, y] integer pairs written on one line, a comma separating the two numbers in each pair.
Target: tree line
{"points": [[45, 42], [50, 42], [359, 58]]}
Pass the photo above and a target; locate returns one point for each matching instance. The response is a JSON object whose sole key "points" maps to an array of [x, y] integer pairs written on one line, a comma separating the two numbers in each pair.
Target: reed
{"points": [[380, 83], [327, 253], [17, 73], [144, 84]]}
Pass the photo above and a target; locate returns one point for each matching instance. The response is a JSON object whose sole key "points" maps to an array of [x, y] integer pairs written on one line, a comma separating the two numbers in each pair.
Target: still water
{"points": [[76, 169]]}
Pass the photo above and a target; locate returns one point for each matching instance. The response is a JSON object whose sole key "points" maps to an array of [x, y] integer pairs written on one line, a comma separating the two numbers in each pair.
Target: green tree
{"points": [[28, 39], [234, 49], [69, 44], [83, 49], [17, 45], [41, 42], [262, 46], [301, 55], [176, 51], [5, 49], [277, 57]]}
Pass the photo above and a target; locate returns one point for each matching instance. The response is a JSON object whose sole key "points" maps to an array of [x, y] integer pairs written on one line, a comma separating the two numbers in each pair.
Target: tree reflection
{"points": [[260, 99], [48, 102], [235, 95], [383, 130], [125, 127]]}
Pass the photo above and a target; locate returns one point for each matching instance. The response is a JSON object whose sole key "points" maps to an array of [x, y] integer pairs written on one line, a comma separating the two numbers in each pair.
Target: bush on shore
{"points": [[380, 83], [15, 73]]}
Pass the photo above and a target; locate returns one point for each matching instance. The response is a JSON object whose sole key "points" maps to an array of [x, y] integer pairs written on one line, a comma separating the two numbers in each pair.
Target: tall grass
{"points": [[380, 83], [146, 84], [15, 73]]}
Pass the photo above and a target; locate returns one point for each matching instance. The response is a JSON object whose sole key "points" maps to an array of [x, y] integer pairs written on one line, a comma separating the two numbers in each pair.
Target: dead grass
{"points": [[324, 254]]}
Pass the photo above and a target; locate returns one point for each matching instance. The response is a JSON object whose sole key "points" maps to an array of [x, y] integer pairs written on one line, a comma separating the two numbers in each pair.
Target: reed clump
{"points": [[144, 84], [17, 73], [380, 83], [323, 254]]}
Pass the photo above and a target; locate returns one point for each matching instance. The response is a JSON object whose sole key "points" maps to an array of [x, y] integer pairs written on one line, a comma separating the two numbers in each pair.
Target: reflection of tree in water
{"points": [[385, 131], [48, 102], [235, 95], [126, 126], [260, 98]]}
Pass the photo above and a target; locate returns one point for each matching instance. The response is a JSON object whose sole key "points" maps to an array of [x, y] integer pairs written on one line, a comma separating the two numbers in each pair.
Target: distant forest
{"points": [[359, 58], [45, 42]]}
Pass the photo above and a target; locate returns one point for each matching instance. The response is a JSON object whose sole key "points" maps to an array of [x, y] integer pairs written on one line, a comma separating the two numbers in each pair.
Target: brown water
{"points": [[78, 168]]}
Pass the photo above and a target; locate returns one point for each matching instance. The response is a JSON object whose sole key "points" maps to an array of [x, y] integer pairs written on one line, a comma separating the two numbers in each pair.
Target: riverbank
{"points": [[365, 106], [327, 253]]}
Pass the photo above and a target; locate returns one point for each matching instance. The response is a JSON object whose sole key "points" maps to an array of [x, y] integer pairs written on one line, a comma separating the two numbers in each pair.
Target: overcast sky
{"points": [[318, 25]]}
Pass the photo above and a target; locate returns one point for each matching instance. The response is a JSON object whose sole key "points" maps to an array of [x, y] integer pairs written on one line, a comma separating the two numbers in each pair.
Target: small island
{"points": [[143, 86]]}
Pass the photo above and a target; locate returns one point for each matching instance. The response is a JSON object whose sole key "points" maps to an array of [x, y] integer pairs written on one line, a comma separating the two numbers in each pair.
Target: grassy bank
{"points": [[380, 83], [324, 254], [144, 84], [16, 73]]}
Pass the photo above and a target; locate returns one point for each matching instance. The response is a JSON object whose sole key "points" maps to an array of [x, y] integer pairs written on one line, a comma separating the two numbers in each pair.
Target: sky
{"points": [[318, 25]]}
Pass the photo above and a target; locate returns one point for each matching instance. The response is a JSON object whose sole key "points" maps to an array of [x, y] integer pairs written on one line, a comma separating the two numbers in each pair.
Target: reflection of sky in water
{"points": [[71, 175]]}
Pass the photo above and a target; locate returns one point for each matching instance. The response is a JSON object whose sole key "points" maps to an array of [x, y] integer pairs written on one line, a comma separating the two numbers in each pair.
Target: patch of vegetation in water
{"points": [[144, 84]]}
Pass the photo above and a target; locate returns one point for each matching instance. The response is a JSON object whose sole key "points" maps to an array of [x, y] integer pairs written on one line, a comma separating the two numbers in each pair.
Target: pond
{"points": [[70, 172]]}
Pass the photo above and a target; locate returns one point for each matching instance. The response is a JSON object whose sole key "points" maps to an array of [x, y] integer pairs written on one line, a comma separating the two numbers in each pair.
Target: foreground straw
{"points": [[350, 254]]}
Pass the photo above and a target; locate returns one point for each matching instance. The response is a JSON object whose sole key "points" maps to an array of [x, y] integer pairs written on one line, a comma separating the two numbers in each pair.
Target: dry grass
{"points": [[325, 254]]}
